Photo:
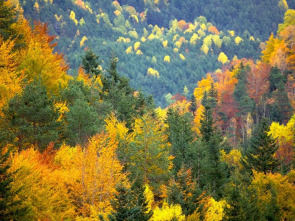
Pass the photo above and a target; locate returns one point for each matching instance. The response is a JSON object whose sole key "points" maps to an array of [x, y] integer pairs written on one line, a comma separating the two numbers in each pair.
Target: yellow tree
{"points": [[91, 174], [40, 188], [38, 59], [275, 190], [10, 79], [149, 152]]}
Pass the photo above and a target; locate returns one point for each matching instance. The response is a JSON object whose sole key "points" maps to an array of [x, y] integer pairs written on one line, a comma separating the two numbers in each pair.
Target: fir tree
{"points": [[260, 155]]}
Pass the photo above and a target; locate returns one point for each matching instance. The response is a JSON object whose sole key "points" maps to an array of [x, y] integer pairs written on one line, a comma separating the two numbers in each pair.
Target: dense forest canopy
{"points": [[168, 45], [80, 141]]}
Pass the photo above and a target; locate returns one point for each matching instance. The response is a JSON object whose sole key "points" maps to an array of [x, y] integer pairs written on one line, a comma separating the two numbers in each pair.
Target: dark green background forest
{"points": [[251, 18]]}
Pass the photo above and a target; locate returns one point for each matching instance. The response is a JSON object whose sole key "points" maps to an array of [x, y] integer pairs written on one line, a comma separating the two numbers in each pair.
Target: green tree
{"points": [[214, 170], [122, 205], [260, 155], [90, 63], [82, 122], [180, 136], [30, 118]]}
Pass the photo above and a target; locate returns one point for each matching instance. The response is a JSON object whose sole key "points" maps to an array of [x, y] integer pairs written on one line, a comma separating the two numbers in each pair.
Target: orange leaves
{"points": [[10, 79], [257, 82], [213, 30], [69, 182]]}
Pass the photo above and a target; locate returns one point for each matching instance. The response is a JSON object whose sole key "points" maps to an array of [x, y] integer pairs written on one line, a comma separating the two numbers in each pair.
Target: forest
{"points": [[80, 141], [163, 46]]}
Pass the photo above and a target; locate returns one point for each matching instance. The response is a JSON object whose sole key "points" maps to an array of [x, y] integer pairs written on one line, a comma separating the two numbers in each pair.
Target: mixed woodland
{"points": [[80, 141]]}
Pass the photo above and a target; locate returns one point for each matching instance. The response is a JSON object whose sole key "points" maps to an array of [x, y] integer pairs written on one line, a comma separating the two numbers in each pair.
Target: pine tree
{"points": [[260, 155], [31, 118]]}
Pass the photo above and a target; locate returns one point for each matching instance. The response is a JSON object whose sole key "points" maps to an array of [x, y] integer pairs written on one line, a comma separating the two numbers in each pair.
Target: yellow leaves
{"points": [[178, 44], [223, 58], [167, 58], [36, 6], [283, 5], [143, 39], [62, 109], [232, 33], [117, 5], [153, 72], [203, 85], [10, 79], [84, 38], [91, 173], [175, 50], [217, 41], [40, 187], [139, 52], [165, 43], [135, 18], [252, 38], [181, 57], [129, 50], [197, 120], [168, 212], [117, 12], [216, 210], [133, 34], [122, 39], [116, 128], [203, 26], [161, 113], [136, 45], [233, 158], [194, 39], [151, 36], [238, 40], [57, 17], [283, 187], [73, 17], [204, 48]]}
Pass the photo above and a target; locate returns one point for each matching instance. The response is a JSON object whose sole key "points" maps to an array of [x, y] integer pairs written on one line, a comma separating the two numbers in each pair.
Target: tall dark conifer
{"points": [[260, 155]]}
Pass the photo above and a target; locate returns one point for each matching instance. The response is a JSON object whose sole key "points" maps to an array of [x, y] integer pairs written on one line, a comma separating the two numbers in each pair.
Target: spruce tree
{"points": [[180, 135], [214, 170], [122, 205], [260, 155], [140, 201]]}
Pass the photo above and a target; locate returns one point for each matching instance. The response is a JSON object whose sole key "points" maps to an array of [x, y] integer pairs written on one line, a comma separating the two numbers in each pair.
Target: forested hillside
{"points": [[168, 45], [86, 145]]}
